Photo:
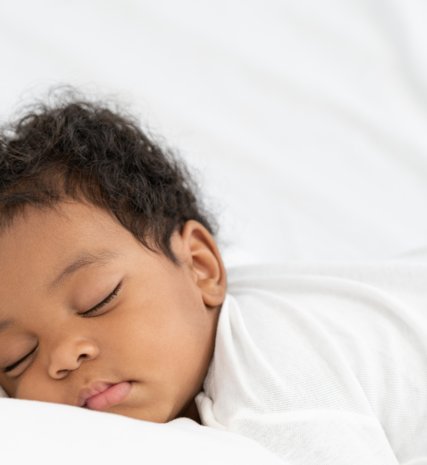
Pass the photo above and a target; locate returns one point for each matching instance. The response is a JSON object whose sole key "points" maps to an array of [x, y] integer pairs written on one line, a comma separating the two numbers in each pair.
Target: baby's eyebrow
{"points": [[84, 259]]}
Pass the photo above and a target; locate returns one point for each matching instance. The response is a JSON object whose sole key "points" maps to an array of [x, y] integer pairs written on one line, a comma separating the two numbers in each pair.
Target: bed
{"points": [[304, 122]]}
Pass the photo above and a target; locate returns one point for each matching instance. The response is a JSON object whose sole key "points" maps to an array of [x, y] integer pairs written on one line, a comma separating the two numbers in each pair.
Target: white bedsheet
{"points": [[306, 118]]}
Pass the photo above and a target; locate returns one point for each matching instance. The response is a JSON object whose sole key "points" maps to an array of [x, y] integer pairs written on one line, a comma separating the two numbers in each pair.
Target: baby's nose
{"points": [[69, 355]]}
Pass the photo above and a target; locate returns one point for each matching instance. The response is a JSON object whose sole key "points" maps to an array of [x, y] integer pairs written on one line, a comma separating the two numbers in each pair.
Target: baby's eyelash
{"points": [[14, 365], [104, 302]]}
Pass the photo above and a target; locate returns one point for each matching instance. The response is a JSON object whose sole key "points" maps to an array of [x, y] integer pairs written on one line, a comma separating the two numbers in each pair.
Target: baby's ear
{"points": [[204, 260]]}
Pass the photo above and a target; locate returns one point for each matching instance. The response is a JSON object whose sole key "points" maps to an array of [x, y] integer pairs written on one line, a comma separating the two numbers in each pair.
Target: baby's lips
{"points": [[114, 395], [92, 390]]}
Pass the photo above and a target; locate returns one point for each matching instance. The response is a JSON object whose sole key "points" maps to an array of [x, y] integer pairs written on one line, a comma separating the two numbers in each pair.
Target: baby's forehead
{"points": [[40, 246]]}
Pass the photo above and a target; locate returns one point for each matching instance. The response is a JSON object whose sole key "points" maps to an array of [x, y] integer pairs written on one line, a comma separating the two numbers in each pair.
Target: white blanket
{"points": [[41, 433], [324, 365]]}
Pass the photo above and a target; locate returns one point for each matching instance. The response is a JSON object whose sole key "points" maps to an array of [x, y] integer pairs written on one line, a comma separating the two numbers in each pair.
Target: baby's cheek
{"points": [[25, 390], [30, 388]]}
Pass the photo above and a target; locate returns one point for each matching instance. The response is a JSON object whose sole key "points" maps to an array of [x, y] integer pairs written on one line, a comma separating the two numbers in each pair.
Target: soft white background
{"points": [[306, 119]]}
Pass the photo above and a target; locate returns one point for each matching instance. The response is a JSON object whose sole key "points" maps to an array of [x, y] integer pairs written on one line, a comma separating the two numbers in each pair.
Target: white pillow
{"points": [[39, 432]]}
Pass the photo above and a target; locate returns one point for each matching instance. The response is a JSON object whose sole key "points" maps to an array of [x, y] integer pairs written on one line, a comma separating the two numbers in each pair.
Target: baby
{"points": [[113, 297], [111, 280]]}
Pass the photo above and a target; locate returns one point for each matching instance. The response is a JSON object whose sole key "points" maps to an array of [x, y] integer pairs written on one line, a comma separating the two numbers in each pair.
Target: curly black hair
{"points": [[82, 150]]}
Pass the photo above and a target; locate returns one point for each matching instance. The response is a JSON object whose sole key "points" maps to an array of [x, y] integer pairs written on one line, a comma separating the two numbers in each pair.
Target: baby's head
{"points": [[110, 279]]}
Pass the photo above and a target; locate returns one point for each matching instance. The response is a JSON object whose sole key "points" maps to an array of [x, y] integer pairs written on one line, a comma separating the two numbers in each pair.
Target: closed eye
{"points": [[85, 314], [104, 302], [14, 365]]}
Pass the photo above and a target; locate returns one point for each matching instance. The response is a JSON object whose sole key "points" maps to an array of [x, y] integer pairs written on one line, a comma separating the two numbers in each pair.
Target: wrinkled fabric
{"points": [[324, 364]]}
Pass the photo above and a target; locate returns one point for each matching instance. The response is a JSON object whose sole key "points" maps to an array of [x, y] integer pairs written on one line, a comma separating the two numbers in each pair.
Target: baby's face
{"points": [[86, 308]]}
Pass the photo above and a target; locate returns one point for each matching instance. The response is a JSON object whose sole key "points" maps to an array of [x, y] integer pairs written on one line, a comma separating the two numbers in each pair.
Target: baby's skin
{"points": [[91, 318]]}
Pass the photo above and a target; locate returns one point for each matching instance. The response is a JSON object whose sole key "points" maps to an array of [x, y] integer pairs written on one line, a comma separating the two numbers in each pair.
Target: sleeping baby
{"points": [[114, 298]]}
